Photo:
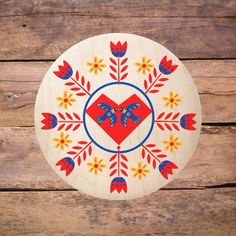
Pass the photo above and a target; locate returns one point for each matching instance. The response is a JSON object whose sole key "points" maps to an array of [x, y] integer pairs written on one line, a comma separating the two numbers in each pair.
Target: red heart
{"points": [[118, 132]]}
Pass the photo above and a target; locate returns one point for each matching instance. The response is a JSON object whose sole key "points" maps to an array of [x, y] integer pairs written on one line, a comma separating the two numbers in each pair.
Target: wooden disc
{"points": [[117, 116]]}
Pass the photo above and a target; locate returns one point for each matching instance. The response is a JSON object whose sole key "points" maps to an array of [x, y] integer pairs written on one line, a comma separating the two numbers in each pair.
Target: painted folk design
{"points": [[118, 120]]}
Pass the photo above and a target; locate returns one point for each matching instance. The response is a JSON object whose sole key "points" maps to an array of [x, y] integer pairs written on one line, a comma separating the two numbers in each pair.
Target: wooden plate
{"points": [[117, 116]]}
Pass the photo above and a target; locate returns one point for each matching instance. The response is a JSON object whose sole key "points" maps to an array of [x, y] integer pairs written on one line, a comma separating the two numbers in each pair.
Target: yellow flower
{"points": [[96, 65], [62, 141], [173, 100], [66, 100], [144, 66], [140, 171], [172, 144], [96, 165]]}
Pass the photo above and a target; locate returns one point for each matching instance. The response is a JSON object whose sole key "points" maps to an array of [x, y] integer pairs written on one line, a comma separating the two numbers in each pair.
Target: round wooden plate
{"points": [[117, 116]]}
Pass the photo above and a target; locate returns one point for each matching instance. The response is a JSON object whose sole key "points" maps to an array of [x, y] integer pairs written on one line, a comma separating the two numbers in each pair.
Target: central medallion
{"points": [[122, 113]]}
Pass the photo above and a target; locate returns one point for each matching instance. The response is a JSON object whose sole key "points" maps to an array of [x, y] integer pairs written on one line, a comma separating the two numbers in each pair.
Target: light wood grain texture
{"points": [[43, 30], [23, 165], [116, 8], [19, 83], [47, 36], [212, 213]]}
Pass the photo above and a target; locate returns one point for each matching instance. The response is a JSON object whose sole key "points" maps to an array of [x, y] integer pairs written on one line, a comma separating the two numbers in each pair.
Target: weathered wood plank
{"points": [[180, 212], [209, 75], [47, 36], [19, 83], [116, 8], [23, 165]]}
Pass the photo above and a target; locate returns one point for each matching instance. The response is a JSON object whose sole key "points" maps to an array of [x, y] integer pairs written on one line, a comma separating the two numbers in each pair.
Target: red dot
{"points": [[62, 140], [172, 100], [65, 100], [95, 65], [172, 144], [140, 171], [95, 165], [144, 65]]}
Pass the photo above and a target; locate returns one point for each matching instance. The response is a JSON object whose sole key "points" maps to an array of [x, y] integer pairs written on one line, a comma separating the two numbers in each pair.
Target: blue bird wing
{"points": [[104, 106], [124, 119], [101, 119], [136, 119], [113, 120], [132, 106]]}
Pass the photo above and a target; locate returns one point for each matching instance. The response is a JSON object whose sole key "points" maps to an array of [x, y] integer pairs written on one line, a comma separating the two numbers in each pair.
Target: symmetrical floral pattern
{"points": [[66, 101], [144, 66], [96, 166], [172, 101], [118, 67], [96, 66], [172, 143], [156, 156], [140, 171], [63, 141]]}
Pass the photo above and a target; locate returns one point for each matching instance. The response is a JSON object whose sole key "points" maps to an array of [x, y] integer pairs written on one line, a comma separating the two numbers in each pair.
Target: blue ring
{"points": [[84, 117]]}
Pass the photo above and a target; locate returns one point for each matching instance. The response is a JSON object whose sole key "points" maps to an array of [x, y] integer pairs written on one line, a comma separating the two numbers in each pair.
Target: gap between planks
{"points": [[227, 185]]}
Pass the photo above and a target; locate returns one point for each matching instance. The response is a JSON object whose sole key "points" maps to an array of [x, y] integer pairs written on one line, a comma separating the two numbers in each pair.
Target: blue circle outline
{"points": [[84, 117]]}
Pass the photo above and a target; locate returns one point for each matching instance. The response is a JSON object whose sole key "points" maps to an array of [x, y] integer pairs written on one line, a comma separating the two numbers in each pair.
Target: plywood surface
{"points": [[200, 201]]}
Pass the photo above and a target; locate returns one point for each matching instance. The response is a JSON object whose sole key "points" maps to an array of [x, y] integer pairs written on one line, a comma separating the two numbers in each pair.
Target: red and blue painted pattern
{"points": [[118, 120], [66, 164], [65, 71]]}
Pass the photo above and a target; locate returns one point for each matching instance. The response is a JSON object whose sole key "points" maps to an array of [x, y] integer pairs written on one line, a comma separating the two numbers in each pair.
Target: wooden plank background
{"points": [[200, 201]]}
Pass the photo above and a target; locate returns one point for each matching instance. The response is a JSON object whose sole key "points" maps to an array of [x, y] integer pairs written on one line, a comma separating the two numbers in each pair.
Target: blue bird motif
{"points": [[109, 114], [127, 114]]}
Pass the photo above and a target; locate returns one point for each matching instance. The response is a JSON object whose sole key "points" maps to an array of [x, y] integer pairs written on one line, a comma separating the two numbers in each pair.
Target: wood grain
{"points": [[42, 30], [116, 8], [19, 83], [47, 36], [24, 167], [212, 213]]}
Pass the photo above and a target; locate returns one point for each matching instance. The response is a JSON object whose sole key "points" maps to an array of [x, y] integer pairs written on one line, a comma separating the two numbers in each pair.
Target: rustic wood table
{"points": [[200, 201]]}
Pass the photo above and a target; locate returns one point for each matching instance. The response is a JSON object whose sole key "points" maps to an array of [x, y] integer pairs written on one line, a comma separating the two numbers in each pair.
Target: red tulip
{"points": [[187, 121], [118, 184], [118, 50], [166, 168], [66, 164], [65, 71], [49, 121], [166, 67]]}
